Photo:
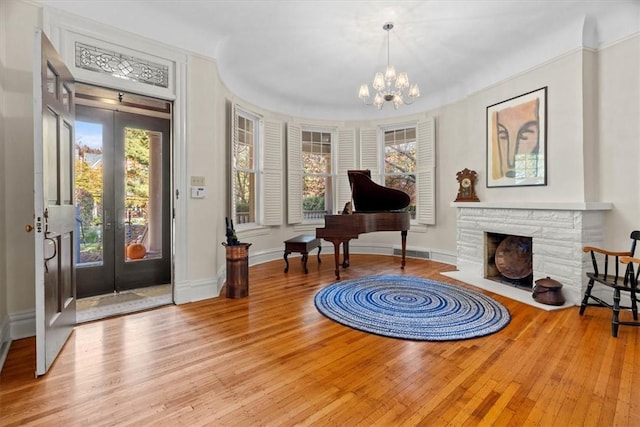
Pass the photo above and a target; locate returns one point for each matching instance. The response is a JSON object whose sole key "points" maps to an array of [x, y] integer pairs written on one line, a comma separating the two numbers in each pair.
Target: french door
{"points": [[123, 200]]}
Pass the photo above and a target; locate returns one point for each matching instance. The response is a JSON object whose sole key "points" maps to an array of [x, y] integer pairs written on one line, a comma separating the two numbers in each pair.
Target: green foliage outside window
{"points": [[313, 203]]}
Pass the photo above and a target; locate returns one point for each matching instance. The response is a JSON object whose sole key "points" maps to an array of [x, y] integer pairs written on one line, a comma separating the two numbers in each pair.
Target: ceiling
{"points": [[308, 58]]}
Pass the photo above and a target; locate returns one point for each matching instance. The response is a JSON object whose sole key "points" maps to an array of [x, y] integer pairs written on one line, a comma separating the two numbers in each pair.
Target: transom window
{"points": [[400, 162], [317, 186]]}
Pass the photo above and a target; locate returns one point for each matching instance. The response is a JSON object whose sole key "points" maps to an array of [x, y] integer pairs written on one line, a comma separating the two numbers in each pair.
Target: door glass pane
{"points": [[143, 194], [89, 189]]}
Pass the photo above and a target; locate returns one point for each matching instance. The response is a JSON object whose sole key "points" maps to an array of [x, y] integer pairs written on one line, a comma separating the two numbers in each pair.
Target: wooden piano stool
{"points": [[304, 244]]}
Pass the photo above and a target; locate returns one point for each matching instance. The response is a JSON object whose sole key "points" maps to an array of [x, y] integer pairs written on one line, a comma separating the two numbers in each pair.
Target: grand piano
{"points": [[375, 208]]}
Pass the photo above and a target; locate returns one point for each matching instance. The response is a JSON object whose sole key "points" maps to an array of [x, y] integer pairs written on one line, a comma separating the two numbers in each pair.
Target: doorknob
{"points": [[28, 228]]}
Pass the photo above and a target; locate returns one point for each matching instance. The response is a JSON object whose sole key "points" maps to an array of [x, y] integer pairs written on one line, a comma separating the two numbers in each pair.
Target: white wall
{"points": [[618, 149], [205, 139], [3, 112], [18, 21]]}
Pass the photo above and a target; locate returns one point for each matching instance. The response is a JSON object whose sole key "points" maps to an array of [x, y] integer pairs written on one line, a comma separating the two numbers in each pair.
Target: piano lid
{"points": [[371, 197]]}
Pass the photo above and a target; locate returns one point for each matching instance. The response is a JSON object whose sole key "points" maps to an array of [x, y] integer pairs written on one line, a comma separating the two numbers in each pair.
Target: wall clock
{"points": [[467, 186]]}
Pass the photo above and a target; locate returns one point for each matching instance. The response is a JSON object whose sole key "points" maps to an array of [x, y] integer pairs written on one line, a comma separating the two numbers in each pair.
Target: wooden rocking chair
{"points": [[626, 282]]}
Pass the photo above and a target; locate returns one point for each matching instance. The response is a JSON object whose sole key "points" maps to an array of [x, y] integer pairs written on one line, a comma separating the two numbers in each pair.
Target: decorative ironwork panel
{"points": [[119, 65]]}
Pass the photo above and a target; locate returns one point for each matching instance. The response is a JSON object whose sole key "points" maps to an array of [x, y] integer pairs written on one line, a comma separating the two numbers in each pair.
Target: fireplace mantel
{"points": [[551, 206]]}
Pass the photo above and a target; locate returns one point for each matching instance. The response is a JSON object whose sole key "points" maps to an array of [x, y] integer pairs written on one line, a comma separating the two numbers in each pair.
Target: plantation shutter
{"points": [[346, 160], [272, 173], [426, 165], [294, 174], [232, 122], [369, 158]]}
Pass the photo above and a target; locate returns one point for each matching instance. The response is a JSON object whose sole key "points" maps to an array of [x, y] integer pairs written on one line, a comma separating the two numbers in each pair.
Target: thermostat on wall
{"points": [[197, 192]]}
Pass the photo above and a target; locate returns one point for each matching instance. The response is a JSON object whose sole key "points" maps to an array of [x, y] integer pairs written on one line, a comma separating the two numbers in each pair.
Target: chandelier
{"points": [[390, 87]]}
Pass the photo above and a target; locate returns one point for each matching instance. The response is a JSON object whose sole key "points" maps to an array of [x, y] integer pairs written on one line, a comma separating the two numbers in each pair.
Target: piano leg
{"points": [[336, 256], [345, 254], [403, 233]]}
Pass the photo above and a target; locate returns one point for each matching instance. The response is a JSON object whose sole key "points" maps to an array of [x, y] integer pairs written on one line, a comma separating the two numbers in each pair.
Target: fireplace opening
{"points": [[509, 259]]}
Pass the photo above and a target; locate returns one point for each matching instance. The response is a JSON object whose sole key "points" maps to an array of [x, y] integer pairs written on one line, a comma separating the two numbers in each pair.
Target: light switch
{"points": [[197, 192], [197, 181]]}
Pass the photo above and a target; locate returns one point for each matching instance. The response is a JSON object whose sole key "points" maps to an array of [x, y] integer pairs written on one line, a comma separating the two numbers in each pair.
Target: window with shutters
{"points": [[399, 156], [245, 171], [317, 179]]}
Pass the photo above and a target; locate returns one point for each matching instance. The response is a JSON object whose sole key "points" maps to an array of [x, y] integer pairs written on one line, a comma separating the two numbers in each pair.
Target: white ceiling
{"points": [[308, 58]]}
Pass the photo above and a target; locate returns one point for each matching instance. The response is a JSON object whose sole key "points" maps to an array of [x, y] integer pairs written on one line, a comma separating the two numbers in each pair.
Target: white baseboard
{"points": [[261, 257], [22, 324], [444, 257], [196, 290], [5, 340]]}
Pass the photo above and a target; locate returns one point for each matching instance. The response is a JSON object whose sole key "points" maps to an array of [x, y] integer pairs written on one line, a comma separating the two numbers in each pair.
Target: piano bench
{"points": [[303, 243]]}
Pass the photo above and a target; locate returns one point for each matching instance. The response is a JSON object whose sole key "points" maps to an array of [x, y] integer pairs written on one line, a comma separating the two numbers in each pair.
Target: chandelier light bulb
{"points": [[378, 82], [402, 81], [414, 91], [378, 101], [383, 84], [397, 101], [390, 73], [364, 91]]}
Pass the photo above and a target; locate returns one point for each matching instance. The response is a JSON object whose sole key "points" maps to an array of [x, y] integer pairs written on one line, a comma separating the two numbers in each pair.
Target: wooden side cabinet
{"points": [[237, 270]]}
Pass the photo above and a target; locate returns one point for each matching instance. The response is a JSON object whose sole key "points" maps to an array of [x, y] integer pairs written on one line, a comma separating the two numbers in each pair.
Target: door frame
{"points": [[65, 30], [115, 272]]}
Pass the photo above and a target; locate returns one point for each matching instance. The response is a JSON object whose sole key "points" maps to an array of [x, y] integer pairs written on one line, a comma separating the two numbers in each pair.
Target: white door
{"points": [[54, 217]]}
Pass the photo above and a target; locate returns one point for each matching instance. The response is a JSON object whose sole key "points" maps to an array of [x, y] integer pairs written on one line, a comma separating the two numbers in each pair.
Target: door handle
{"points": [[55, 252], [28, 228], [55, 249], [107, 219], [121, 219]]}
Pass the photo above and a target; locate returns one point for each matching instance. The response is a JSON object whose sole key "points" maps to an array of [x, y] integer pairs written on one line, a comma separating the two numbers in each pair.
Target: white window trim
{"points": [[268, 169], [334, 162], [425, 165], [257, 166]]}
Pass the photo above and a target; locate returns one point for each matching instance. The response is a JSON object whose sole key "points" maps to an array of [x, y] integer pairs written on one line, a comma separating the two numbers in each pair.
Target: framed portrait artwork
{"points": [[517, 141]]}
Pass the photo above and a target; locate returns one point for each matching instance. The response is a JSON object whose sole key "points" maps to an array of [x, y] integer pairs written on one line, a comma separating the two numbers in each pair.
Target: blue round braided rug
{"points": [[411, 308]]}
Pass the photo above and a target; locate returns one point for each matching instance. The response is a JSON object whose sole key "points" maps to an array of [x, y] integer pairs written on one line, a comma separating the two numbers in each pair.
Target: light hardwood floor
{"points": [[273, 359]]}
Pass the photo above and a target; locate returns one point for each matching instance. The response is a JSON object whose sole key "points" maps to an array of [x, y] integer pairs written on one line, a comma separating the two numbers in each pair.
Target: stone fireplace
{"points": [[558, 231]]}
